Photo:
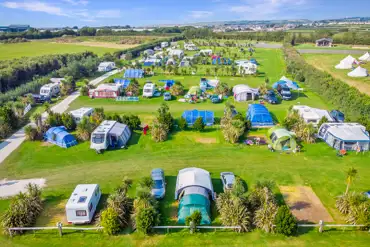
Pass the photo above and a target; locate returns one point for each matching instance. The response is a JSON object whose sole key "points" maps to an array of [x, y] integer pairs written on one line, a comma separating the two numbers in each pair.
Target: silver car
{"points": [[228, 180], [159, 183]]}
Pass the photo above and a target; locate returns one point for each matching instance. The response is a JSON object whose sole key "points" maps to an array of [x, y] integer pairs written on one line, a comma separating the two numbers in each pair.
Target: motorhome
{"points": [[110, 134], [164, 44], [82, 204], [149, 90], [79, 114], [50, 90]]}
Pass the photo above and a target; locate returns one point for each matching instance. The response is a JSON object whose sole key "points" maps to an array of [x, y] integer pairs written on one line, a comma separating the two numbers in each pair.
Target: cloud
{"points": [[77, 2], [108, 14], [35, 6], [200, 14]]}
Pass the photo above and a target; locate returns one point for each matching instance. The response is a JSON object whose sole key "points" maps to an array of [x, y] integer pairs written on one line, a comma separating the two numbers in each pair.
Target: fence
{"points": [[197, 227], [59, 227]]}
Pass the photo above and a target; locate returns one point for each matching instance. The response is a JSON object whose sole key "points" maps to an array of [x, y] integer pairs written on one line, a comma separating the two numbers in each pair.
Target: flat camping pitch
{"points": [[304, 204]]}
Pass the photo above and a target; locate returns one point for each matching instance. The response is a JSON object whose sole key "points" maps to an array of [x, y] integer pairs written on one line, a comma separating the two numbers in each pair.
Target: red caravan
{"points": [[106, 91]]}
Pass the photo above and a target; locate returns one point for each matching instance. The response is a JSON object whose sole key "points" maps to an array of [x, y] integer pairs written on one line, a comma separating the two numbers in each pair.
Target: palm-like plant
{"points": [[122, 205], [346, 201], [351, 175], [359, 214], [37, 119], [30, 133], [159, 131], [264, 217], [84, 129]]}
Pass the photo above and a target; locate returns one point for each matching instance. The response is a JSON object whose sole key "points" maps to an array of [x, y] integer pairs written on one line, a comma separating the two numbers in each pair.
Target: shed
{"points": [[243, 92], [80, 113], [191, 116], [327, 42], [365, 57], [358, 72], [133, 73], [59, 136], [282, 139], [259, 116], [82, 204], [106, 66], [194, 189], [312, 115], [347, 136]]}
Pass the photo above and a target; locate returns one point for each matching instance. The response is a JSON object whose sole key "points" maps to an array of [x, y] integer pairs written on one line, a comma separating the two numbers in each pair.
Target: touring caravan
{"points": [[149, 90], [80, 113], [82, 204], [110, 134], [50, 90], [164, 44]]}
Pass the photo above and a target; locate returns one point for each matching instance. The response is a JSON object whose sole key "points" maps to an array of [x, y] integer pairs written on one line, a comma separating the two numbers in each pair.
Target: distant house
{"points": [[326, 42], [106, 66]]}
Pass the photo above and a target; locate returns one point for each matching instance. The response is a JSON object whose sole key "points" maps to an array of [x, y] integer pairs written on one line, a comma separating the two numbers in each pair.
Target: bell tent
{"points": [[282, 139], [347, 63], [358, 72], [365, 57]]}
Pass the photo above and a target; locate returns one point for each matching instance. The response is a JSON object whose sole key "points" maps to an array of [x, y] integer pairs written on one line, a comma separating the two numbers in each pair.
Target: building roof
{"points": [[325, 39], [348, 131], [81, 111], [81, 196], [193, 177]]}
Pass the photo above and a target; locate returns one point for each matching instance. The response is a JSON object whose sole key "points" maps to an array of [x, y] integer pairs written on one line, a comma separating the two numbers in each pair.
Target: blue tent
{"points": [[133, 73], [123, 82], [59, 136], [259, 116], [191, 116], [254, 61], [291, 84], [168, 83]]}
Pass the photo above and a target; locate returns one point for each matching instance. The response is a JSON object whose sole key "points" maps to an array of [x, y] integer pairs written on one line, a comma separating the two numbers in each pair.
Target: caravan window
{"points": [[90, 207], [81, 213], [98, 138], [147, 90]]}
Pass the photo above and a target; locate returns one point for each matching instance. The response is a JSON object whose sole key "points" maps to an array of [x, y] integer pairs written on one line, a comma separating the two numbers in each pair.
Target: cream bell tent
{"points": [[358, 72], [347, 63], [365, 57]]}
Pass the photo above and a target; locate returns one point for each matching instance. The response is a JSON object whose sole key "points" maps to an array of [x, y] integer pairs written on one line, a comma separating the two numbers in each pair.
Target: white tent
{"points": [[347, 63], [365, 57], [243, 92], [193, 177], [358, 72]]}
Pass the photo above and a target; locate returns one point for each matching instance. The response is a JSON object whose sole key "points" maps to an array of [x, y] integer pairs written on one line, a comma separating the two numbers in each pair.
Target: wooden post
{"points": [[321, 226], [60, 228]]}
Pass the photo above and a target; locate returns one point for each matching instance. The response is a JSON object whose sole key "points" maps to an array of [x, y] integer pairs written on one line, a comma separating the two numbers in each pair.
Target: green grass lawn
{"points": [[39, 48], [335, 47], [327, 63], [317, 166]]}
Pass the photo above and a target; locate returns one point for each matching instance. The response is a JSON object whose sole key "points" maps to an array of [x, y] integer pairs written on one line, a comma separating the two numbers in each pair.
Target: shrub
{"points": [[146, 182], [285, 222], [84, 91], [222, 88], [146, 219], [177, 89], [198, 124], [5, 130], [68, 121], [132, 121], [195, 217], [183, 125], [97, 117], [109, 220], [159, 131], [30, 132], [84, 129], [165, 117]]}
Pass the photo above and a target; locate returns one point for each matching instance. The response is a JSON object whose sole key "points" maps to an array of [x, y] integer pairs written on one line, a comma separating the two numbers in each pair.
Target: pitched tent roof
{"points": [[291, 84], [358, 72], [191, 116], [259, 116], [365, 57], [346, 63], [282, 139], [59, 136], [133, 73], [191, 203], [243, 89]]}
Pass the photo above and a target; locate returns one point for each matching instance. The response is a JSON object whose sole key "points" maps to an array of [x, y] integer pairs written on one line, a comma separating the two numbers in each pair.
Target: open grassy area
{"points": [[317, 166], [327, 63], [39, 48], [335, 47]]}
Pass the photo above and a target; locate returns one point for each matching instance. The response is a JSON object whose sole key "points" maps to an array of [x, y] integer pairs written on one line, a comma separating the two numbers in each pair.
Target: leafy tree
{"points": [[322, 121], [159, 131], [146, 219], [68, 121], [183, 125], [8, 117], [97, 117], [165, 117], [84, 91], [30, 132], [84, 129], [222, 88], [285, 222], [110, 221], [198, 124], [351, 175]]}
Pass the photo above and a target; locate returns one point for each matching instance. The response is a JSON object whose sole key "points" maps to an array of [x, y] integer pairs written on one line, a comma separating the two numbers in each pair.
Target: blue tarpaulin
{"points": [[191, 116], [59, 136], [133, 73], [168, 83], [123, 82], [259, 116]]}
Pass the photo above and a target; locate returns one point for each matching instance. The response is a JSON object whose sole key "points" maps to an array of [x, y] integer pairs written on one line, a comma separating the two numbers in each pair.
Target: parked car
{"points": [[215, 99], [167, 96], [159, 183], [270, 97], [40, 99], [367, 194], [228, 180], [284, 92], [337, 116]]}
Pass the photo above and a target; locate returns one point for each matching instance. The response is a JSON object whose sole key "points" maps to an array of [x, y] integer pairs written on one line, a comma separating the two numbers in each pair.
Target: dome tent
{"points": [[358, 72], [59, 136], [282, 139], [365, 57], [347, 63]]}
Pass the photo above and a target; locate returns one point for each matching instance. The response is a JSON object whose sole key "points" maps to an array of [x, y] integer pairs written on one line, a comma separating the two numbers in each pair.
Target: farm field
{"points": [[327, 63], [39, 48], [317, 166]]}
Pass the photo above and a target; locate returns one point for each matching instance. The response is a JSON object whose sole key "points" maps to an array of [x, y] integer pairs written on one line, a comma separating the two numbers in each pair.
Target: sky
{"points": [[61, 13]]}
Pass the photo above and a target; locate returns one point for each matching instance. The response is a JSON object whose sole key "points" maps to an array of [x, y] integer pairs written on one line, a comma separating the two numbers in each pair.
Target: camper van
{"points": [[109, 134], [81, 113], [50, 90], [164, 44], [82, 204], [149, 90]]}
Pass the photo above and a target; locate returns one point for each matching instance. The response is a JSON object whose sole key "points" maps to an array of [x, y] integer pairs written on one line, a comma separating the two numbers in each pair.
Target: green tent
{"points": [[194, 202], [282, 139], [194, 90]]}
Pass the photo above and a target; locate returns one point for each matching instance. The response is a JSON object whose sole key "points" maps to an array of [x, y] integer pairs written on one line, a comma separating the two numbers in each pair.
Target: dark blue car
{"points": [[337, 116], [270, 97]]}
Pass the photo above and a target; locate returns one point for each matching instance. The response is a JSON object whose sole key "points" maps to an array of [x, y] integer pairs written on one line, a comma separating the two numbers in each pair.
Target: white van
{"points": [[82, 204], [50, 90], [149, 90]]}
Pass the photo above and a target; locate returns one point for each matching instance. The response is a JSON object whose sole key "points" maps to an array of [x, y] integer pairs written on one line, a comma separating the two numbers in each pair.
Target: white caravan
{"points": [[149, 90], [110, 134], [106, 66], [50, 90], [81, 113], [164, 44], [82, 204]]}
